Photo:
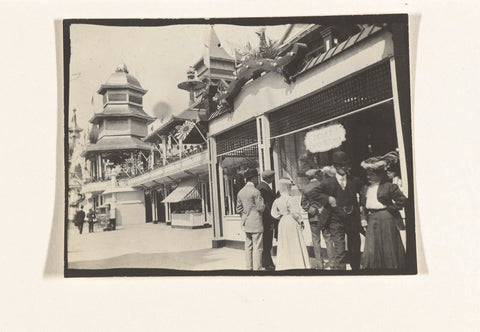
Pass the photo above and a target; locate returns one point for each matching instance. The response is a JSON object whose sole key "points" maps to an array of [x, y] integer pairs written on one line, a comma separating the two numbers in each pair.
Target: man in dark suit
{"points": [[268, 221], [339, 195], [80, 219], [90, 217], [317, 214]]}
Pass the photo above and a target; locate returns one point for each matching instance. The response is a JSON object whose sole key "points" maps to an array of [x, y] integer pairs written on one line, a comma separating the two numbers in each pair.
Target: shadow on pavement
{"points": [[205, 259]]}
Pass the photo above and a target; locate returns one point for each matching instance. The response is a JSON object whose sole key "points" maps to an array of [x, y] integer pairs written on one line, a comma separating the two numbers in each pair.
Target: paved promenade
{"points": [[149, 246]]}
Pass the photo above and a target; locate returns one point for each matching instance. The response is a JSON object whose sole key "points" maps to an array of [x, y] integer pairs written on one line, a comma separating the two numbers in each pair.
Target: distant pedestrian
{"points": [[269, 222], [91, 216], [80, 219], [250, 207], [112, 217]]}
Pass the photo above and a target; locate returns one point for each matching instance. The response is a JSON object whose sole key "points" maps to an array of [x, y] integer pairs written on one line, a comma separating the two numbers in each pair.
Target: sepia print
{"points": [[263, 146]]}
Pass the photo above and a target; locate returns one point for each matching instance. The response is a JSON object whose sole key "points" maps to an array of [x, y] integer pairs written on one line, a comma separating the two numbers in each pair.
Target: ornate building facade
{"points": [[342, 87]]}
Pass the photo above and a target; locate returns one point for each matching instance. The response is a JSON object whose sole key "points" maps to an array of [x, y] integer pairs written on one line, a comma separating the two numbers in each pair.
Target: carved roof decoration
{"points": [[285, 65], [290, 63]]}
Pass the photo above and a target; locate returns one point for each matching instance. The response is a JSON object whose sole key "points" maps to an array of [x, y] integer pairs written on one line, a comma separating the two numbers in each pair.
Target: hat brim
{"points": [[374, 165]]}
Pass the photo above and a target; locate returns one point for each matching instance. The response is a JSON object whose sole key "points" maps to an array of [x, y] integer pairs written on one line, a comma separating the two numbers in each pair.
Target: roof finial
{"points": [[122, 68], [191, 73]]}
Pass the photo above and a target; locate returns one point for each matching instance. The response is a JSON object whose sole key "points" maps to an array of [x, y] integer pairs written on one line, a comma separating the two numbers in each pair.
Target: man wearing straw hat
{"points": [[250, 207]]}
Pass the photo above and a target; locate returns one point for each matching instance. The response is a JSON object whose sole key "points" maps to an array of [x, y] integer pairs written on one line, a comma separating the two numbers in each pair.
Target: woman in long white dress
{"points": [[291, 249]]}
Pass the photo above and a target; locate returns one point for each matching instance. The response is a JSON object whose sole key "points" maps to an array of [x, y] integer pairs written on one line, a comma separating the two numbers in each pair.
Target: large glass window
{"points": [[233, 167], [368, 133], [190, 206]]}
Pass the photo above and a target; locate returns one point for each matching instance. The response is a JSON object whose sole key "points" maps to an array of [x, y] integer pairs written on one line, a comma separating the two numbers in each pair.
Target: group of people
{"points": [[79, 219], [339, 206]]}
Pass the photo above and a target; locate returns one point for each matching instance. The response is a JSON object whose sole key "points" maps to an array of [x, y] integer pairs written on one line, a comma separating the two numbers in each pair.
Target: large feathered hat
{"points": [[380, 162]]}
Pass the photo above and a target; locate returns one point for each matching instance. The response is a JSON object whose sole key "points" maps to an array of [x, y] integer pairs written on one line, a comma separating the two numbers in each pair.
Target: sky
{"points": [[158, 57]]}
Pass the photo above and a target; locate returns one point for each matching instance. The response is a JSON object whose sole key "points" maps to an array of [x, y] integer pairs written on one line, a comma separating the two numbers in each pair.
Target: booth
{"points": [[187, 205]]}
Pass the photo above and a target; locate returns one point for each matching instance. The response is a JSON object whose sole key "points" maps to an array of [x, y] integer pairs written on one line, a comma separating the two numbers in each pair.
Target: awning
{"points": [[185, 191]]}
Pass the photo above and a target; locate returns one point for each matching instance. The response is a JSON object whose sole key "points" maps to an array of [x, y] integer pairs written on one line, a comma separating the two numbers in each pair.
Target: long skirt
{"points": [[291, 249], [383, 244]]}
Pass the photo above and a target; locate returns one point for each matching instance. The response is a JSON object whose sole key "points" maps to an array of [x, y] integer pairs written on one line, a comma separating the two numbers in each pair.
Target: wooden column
{"points": [[92, 174], [180, 146], [202, 195], [215, 198], [276, 162], [153, 197], [399, 130], [167, 206], [99, 165], [263, 135], [164, 150]]}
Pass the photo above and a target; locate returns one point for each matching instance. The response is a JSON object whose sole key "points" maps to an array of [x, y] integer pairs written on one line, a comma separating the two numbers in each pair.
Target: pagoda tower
{"points": [[215, 64], [216, 69], [122, 124]]}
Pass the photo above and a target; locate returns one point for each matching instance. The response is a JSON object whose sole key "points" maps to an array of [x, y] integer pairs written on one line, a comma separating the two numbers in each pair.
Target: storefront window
{"points": [[233, 168], [367, 133], [190, 206]]}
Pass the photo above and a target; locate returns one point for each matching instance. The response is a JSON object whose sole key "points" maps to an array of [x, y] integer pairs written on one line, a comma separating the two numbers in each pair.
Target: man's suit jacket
{"points": [[80, 216], [331, 187], [391, 196], [90, 216], [268, 197], [312, 203], [250, 207]]}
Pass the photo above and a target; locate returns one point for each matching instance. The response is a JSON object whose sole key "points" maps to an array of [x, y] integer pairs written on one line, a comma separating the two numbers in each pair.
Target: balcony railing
{"points": [[175, 157], [180, 165], [189, 158]]}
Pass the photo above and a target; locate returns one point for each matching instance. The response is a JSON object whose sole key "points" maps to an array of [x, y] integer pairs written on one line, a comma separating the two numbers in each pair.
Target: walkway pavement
{"points": [[149, 246]]}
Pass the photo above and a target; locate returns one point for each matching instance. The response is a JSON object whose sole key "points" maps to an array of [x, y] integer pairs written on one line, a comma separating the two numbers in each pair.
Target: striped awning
{"points": [[184, 192]]}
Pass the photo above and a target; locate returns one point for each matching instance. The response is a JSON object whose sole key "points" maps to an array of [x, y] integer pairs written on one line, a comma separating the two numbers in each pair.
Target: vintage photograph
{"points": [[266, 146]]}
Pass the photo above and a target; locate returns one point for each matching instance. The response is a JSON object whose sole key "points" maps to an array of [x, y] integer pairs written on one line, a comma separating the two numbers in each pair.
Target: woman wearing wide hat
{"points": [[381, 201]]}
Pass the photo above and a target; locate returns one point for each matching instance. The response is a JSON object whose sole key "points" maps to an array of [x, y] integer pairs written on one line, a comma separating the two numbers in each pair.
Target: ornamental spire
{"points": [[122, 68]]}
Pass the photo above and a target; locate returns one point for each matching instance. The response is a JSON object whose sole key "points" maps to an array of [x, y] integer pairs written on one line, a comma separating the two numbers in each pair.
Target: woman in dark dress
{"points": [[381, 201]]}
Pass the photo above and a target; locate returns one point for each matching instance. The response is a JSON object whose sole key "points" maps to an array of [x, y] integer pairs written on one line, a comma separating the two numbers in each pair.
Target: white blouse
{"points": [[372, 200]]}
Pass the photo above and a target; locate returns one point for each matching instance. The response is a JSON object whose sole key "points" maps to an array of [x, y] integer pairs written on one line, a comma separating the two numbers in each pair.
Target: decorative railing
{"points": [[176, 157], [171, 168]]}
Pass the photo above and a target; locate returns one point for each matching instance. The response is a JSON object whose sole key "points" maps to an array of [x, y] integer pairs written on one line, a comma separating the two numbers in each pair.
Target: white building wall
{"points": [[130, 206], [271, 92]]}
